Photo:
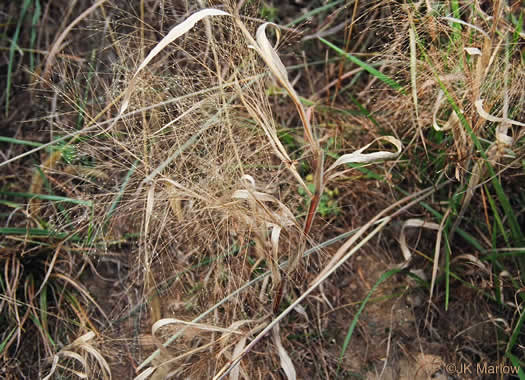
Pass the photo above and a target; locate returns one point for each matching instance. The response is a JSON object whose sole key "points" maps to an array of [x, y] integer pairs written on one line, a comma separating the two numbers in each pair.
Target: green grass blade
{"points": [[120, 194], [515, 334], [456, 25], [516, 232], [516, 364], [314, 12], [4, 343], [47, 197], [34, 23], [476, 245], [43, 307], [83, 101], [516, 35], [11, 140], [44, 313], [378, 74], [36, 232], [12, 49], [364, 110], [465, 235], [497, 217], [10, 204], [448, 253], [385, 276]]}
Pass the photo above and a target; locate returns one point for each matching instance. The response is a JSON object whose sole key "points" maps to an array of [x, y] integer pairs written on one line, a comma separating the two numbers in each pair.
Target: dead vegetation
{"points": [[185, 186]]}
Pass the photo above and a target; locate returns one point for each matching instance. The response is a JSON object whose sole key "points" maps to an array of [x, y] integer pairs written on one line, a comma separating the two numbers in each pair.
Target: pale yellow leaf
{"points": [[234, 375], [417, 223], [246, 194], [472, 50], [178, 31], [286, 362], [173, 34], [144, 375], [201, 326], [456, 20], [359, 157], [485, 115], [437, 105], [150, 201]]}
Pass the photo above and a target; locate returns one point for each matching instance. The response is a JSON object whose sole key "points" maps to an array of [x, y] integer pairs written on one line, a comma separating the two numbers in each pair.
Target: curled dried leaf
{"points": [[283, 217], [472, 51], [147, 372], [457, 20], [274, 63], [417, 223], [258, 195], [173, 34], [248, 180], [359, 157], [437, 105], [471, 259], [286, 362], [234, 375], [274, 239], [81, 343], [485, 115], [201, 326]]}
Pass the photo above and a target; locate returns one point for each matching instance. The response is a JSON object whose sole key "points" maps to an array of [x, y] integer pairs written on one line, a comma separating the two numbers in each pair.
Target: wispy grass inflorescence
{"points": [[260, 218]]}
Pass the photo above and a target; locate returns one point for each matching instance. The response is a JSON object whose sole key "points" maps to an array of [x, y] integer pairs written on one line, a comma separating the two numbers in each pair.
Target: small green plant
{"points": [[328, 203], [269, 12]]}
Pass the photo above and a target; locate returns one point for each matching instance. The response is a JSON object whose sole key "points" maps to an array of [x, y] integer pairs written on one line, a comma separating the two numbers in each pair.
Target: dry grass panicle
{"points": [[194, 147]]}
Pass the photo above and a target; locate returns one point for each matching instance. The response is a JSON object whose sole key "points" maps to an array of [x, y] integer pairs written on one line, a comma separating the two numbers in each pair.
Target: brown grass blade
{"points": [[57, 45], [173, 34], [286, 362]]}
